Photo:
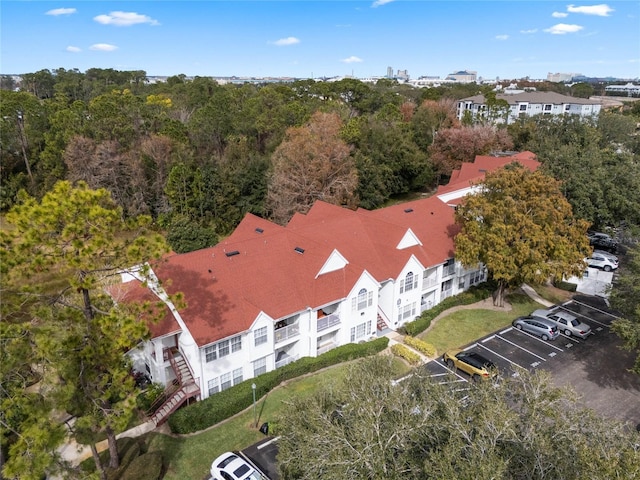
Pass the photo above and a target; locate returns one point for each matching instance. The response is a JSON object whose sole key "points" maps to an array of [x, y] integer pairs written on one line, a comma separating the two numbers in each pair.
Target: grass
{"points": [[191, 456], [464, 326], [553, 294]]}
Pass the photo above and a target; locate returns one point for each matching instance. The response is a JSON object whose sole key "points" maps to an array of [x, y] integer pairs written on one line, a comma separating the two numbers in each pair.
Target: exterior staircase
{"points": [[382, 325], [184, 388]]}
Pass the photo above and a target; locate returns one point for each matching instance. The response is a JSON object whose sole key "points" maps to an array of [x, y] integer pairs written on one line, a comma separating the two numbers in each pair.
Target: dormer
{"points": [[409, 239], [335, 262]]}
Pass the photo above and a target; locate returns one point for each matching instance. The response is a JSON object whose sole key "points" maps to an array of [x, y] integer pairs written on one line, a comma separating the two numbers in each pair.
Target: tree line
{"points": [[197, 156]]}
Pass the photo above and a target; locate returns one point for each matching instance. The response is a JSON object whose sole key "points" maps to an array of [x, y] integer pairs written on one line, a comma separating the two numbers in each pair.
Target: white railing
{"points": [[328, 321], [325, 348], [450, 270], [446, 293], [286, 361], [289, 331], [429, 282]]}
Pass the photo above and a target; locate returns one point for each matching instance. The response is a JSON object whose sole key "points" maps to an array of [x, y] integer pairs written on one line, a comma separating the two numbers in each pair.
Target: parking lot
{"points": [[596, 367]]}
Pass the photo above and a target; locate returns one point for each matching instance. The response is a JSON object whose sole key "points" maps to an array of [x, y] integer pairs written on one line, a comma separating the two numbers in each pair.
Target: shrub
{"points": [[421, 346], [227, 403], [568, 286], [145, 399], [474, 294], [401, 351], [144, 467]]}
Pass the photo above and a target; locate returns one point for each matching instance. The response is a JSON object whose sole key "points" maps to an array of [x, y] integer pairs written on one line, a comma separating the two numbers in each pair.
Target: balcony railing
{"points": [[286, 361], [328, 321], [326, 347], [429, 282], [449, 270], [446, 293], [287, 332]]}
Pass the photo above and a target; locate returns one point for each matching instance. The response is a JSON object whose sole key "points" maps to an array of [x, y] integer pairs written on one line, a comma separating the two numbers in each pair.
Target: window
{"points": [[212, 386], [360, 331], [260, 336], [409, 283], [523, 107], [237, 376], [547, 108], [236, 343], [260, 366], [220, 349], [461, 281], [225, 381], [407, 311], [364, 300], [567, 107], [210, 353]]}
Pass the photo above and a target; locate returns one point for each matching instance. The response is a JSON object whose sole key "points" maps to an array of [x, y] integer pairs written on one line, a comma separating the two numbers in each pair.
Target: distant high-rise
{"points": [[389, 72], [561, 77]]}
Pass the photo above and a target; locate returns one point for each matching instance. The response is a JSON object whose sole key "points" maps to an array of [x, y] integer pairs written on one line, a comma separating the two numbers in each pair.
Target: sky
{"points": [[311, 39]]}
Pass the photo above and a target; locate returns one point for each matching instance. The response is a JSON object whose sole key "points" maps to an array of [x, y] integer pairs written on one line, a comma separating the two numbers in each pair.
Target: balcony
{"points": [[326, 347], [446, 293], [286, 361], [449, 270], [286, 332], [328, 321], [429, 282]]}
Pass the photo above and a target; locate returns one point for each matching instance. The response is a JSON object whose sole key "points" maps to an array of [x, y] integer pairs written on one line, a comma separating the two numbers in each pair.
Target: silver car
{"points": [[566, 323], [543, 328]]}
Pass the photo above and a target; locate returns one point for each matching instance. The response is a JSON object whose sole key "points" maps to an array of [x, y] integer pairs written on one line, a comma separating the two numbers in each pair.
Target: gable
{"points": [[334, 262], [408, 240]]}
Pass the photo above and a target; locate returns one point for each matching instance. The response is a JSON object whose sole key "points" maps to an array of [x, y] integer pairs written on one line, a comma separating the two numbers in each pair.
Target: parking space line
{"points": [[470, 347], [521, 348], [275, 439], [539, 340], [572, 338], [506, 330], [584, 316], [596, 309], [455, 372], [504, 358]]}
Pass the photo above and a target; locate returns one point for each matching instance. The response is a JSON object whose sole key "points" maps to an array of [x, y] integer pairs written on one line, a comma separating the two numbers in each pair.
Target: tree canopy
{"points": [[368, 426], [518, 224]]}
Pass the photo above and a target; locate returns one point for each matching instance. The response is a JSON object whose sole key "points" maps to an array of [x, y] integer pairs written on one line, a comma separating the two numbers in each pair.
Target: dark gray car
{"points": [[541, 327]]}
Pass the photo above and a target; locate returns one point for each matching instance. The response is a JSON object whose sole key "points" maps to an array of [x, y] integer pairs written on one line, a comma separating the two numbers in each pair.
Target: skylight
{"points": [[231, 254], [299, 250]]}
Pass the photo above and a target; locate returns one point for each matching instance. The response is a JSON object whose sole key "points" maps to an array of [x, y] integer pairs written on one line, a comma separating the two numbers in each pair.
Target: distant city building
{"points": [[402, 75], [389, 72], [561, 77], [628, 90], [463, 76], [528, 104]]}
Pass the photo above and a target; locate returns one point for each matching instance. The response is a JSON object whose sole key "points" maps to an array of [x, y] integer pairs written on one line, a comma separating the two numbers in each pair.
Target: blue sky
{"points": [[300, 38]]}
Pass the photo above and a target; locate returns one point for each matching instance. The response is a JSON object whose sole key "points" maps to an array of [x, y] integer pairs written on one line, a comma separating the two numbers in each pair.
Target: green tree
{"points": [[625, 297], [368, 426], [78, 237], [521, 228]]}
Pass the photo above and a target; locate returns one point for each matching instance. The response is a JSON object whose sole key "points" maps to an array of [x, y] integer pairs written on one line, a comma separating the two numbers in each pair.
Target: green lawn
{"points": [[190, 456], [464, 326]]}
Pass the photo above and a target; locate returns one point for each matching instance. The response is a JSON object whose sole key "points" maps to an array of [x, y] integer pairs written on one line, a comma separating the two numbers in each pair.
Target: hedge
{"points": [[474, 294], [401, 351], [421, 346], [568, 286], [227, 403]]}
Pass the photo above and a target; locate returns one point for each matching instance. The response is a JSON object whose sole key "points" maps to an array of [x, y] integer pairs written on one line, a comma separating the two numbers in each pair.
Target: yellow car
{"points": [[471, 363]]}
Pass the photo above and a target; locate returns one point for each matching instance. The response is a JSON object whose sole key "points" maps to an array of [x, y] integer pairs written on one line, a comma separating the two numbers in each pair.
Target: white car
{"points": [[608, 255], [597, 260], [230, 466]]}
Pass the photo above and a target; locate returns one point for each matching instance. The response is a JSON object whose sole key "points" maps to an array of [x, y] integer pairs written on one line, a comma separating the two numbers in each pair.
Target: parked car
{"points": [[566, 323], [230, 466], [600, 261], [602, 241], [608, 255], [542, 327], [471, 363]]}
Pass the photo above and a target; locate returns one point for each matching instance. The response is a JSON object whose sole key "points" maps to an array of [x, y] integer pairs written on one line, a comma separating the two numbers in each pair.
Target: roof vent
{"points": [[231, 254], [408, 210], [299, 250], [259, 230], [482, 170]]}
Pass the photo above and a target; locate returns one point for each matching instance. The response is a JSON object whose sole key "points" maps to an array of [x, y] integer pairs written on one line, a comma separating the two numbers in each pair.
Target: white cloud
{"points": [[526, 32], [502, 37], [562, 28], [559, 14], [61, 11], [124, 19], [283, 42], [602, 10], [379, 3], [103, 47], [352, 59], [73, 49]]}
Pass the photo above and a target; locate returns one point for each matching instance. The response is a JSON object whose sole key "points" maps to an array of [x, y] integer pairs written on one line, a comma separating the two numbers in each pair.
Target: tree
{"points": [[76, 239], [431, 117], [453, 146], [368, 426], [521, 228], [625, 297], [312, 163]]}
